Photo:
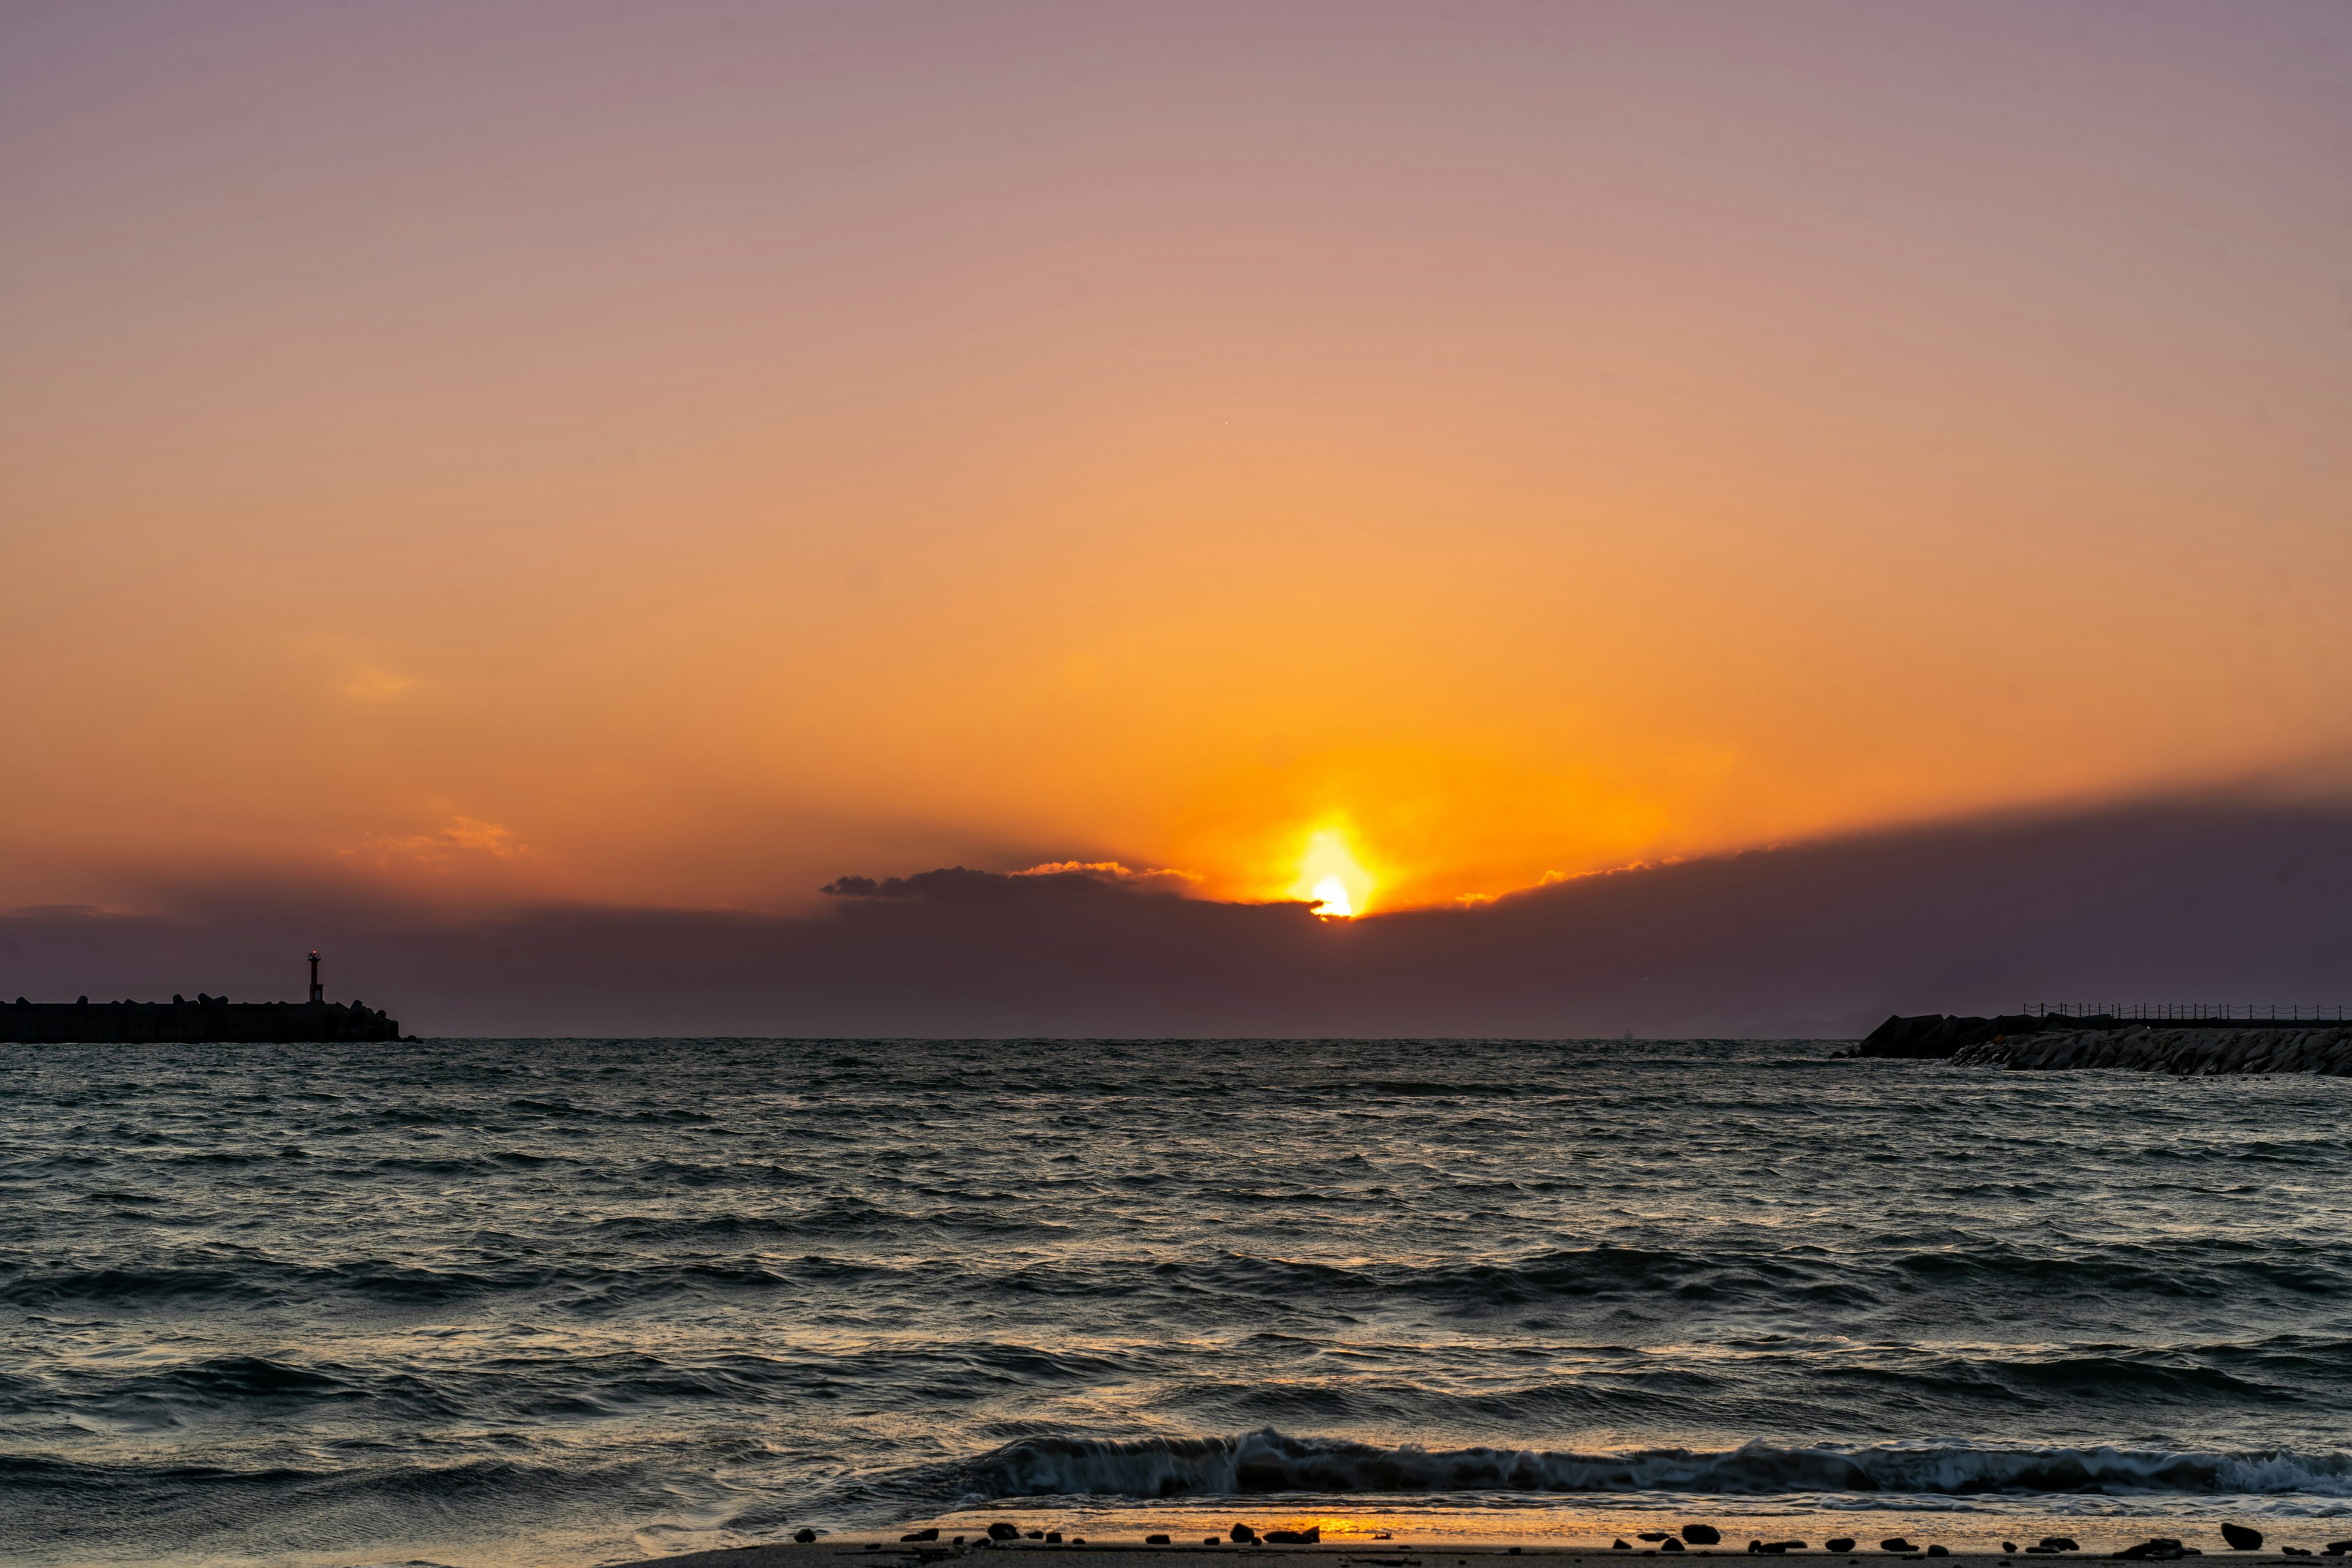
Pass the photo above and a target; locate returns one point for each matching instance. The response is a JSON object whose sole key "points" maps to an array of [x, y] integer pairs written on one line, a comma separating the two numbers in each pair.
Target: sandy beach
{"points": [[1197, 1536], [1368, 1554]]}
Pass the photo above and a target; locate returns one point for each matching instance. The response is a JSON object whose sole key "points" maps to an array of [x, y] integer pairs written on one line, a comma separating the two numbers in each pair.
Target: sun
{"points": [[1329, 874], [1333, 894]]}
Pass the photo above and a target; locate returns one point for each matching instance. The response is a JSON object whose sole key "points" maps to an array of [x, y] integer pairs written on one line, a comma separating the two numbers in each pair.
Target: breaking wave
{"points": [[1270, 1461]]}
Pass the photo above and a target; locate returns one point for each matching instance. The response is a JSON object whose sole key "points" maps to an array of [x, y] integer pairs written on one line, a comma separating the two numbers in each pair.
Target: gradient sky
{"points": [[679, 453]]}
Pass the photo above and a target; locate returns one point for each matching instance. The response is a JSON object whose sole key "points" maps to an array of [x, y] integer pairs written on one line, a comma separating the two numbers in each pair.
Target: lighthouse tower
{"points": [[317, 992]]}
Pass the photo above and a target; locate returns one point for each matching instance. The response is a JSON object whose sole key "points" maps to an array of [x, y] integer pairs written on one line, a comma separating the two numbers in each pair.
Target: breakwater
{"points": [[2197, 1052], [1934, 1037], [206, 1020]]}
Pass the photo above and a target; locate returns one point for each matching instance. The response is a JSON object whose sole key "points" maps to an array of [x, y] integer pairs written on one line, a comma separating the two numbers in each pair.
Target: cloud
{"points": [[955, 884], [371, 685], [2178, 900], [1164, 876], [462, 836]]}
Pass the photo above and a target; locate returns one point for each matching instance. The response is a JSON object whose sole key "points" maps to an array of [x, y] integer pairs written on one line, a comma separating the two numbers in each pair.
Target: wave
{"points": [[650, 1256], [1269, 1461], [67, 1510], [1611, 1272], [275, 1282]]}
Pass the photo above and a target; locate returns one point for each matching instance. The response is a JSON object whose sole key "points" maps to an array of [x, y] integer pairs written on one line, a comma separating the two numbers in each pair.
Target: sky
{"points": [[517, 455]]}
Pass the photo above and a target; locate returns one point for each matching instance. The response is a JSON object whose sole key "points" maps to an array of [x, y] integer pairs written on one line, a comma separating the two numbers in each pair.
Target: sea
{"points": [[566, 1302]]}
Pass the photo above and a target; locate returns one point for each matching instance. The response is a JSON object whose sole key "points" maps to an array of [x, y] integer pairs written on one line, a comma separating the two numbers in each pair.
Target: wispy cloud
{"points": [[370, 684], [1165, 877], [461, 837]]}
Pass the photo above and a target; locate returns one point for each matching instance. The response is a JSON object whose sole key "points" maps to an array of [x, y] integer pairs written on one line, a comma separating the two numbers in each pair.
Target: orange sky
{"points": [[683, 454]]}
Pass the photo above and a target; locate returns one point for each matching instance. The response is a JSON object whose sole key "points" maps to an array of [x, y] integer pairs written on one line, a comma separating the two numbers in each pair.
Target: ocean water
{"points": [[563, 1302]]}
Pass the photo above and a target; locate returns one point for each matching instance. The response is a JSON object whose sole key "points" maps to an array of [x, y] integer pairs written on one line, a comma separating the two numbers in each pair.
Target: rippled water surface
{"points": [[562, 1302]]}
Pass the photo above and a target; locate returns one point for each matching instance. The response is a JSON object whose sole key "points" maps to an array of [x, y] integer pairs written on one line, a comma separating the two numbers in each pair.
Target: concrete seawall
{"points": [[2191, 1052]]}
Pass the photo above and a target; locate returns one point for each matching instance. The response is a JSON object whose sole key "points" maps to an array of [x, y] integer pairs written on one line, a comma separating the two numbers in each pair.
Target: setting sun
{"points": [[1333, 894], [1329, 874]]}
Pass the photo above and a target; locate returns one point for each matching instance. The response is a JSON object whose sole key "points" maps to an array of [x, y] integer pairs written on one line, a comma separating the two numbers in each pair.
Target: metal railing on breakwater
{"points": [[2191, 1011]]}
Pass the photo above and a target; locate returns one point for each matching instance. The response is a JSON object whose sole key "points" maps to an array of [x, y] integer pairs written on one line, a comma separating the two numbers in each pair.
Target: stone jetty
{"points": [[2185, 1051], [207, 1018], [1938, 1037], [204, 1020]]}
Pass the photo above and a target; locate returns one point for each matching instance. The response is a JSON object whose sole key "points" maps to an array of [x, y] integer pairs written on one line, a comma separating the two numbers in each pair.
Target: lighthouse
{"points": [[317, 992]]}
